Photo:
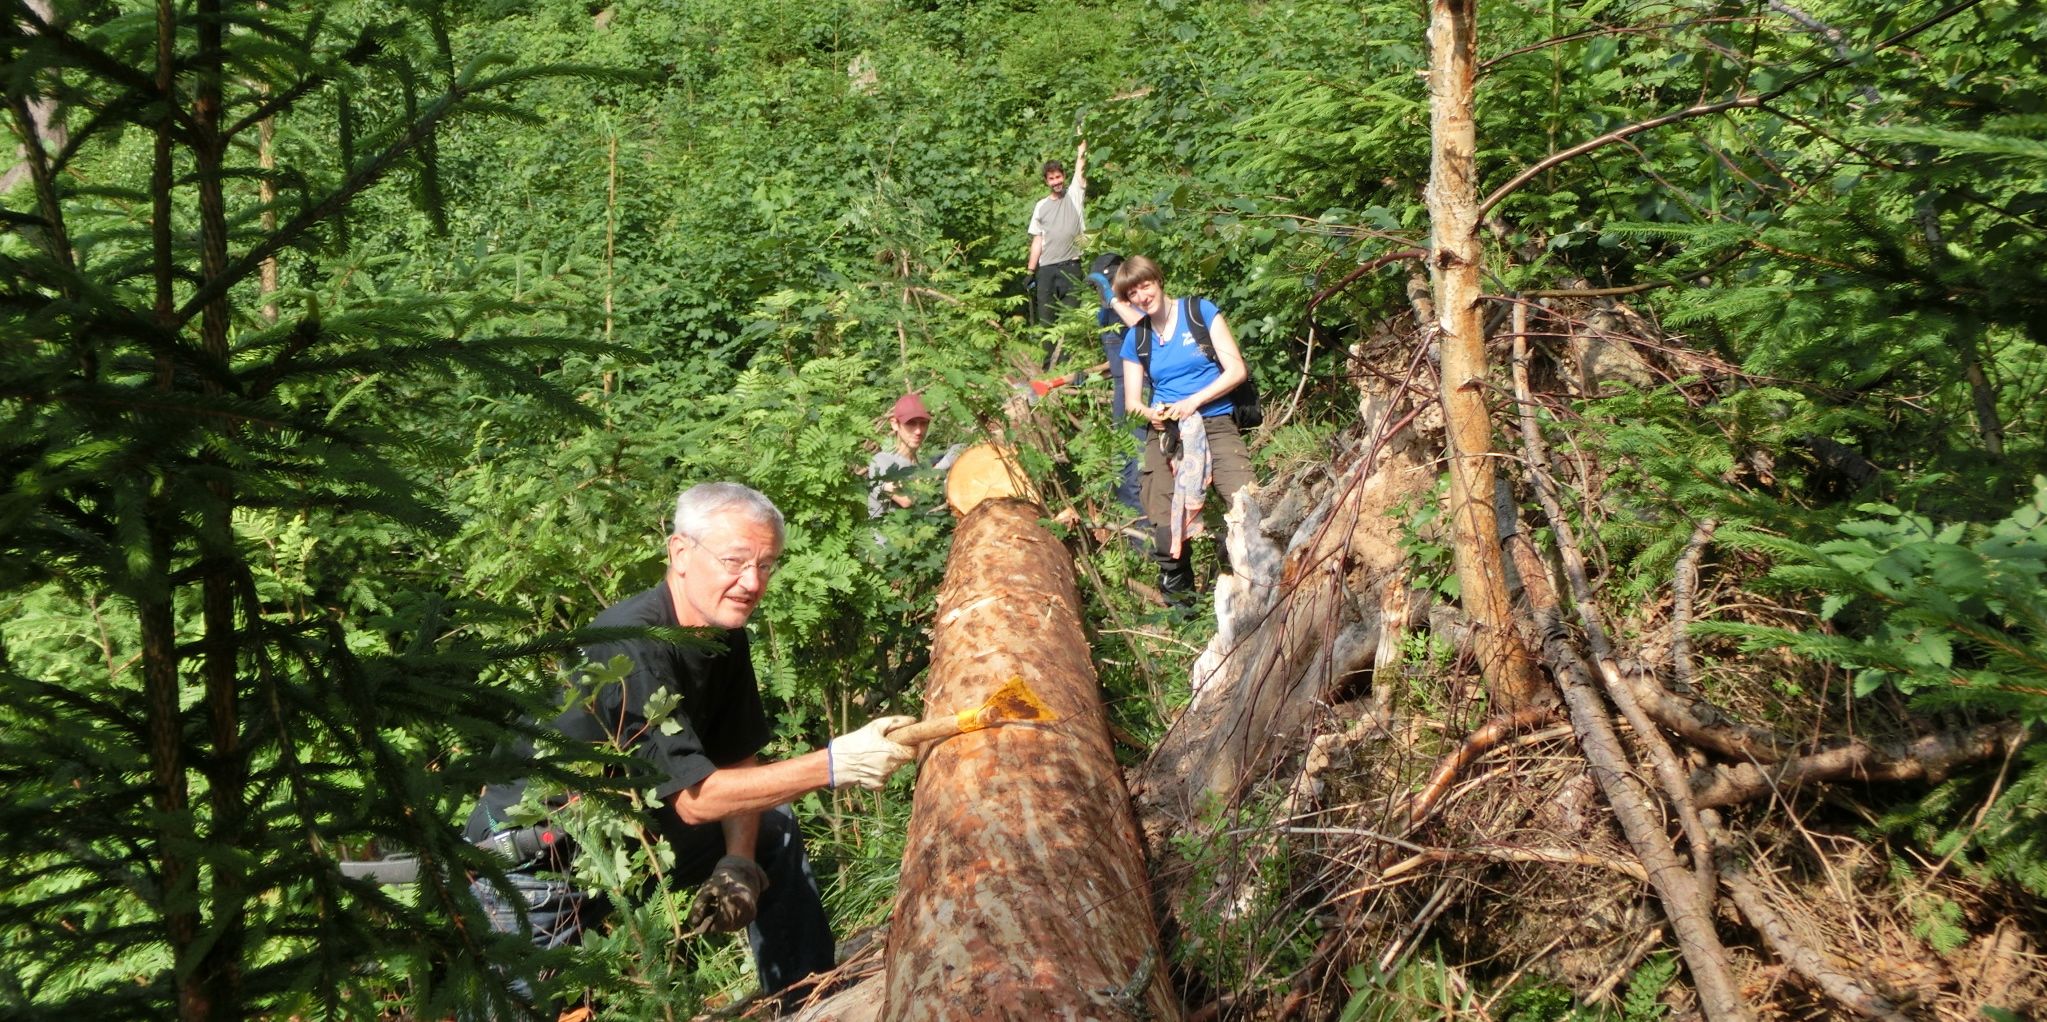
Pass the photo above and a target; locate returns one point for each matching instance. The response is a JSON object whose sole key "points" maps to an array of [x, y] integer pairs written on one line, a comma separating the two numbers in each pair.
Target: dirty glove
{"points": [[865, 757], [728, 899]]}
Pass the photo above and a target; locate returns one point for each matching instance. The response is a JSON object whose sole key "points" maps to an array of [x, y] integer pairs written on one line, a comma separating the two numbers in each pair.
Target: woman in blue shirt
{"points": [[1181, 387]]}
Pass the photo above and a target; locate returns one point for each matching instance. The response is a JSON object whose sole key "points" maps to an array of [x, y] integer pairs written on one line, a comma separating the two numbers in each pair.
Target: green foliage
{"points": [[1953, 616], [1414, 990], [1938, 922], [1643, 999], [196, 488], [759, 224], [1424, 541], [1949, 614], [1240, 926]]}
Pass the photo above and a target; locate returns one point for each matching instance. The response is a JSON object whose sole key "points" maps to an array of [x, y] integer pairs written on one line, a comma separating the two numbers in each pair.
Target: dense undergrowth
{"points": [[272, 583]]}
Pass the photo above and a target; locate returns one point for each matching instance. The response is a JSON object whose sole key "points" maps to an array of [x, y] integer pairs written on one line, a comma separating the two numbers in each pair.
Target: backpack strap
{"points": [[1189, 308], [1199, 326]]}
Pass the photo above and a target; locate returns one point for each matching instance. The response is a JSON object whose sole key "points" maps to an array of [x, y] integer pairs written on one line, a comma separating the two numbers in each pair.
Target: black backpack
{"points": [[1246, 411]]}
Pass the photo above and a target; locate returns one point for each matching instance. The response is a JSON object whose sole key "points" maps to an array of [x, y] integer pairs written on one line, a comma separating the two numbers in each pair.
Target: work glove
{"points": [[1031, 284], [729, 898], [866, 757]]}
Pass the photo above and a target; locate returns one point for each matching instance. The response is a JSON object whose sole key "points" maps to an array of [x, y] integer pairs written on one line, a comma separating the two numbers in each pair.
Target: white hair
{"points": [[704, 503]]}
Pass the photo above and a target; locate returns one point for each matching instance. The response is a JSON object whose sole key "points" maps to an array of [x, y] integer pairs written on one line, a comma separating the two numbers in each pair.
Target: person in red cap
{"points": [[889, 470]]}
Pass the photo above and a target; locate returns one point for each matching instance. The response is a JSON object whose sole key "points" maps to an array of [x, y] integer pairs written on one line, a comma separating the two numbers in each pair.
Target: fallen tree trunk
{"points": [[1023, 891]]}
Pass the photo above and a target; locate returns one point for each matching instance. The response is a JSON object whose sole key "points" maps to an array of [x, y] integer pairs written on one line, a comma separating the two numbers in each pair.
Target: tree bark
{"points": [[1266, 692], [1023, 891], [1454, 265]]}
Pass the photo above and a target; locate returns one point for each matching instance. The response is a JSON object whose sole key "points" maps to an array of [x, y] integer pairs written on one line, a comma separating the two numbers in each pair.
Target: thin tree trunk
{"points": [[1454, 264], [154, 611], [266, 193], [219, 971], [1023, 890], [39, 122]]}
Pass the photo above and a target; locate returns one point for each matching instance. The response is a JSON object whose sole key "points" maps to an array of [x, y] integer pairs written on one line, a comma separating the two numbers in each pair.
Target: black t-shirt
{"points": [[720, 710]]}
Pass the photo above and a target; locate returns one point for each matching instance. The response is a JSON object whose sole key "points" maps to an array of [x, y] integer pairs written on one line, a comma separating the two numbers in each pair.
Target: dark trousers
{"points": [[1057, 287], [1231, 472], [791, 937], [1127, 492]]}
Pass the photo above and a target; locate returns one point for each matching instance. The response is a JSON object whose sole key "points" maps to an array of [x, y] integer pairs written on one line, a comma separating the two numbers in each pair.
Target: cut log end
{"points": [[986, 472]]}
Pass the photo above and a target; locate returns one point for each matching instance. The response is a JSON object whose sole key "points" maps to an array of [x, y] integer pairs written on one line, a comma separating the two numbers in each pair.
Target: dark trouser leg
{"points": [[1230, 472], [556, 914], [1058, 284], [1155, 491], [1127, 491], [791, 936]]}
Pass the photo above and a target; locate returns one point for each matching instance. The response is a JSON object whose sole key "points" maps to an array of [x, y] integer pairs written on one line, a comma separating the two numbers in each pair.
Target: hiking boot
{"points": [[1176, 582]]}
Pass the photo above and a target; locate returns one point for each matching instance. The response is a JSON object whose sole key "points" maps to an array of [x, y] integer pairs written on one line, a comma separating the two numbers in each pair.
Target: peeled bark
{"points": [[1023, 891], [1454, 265]]}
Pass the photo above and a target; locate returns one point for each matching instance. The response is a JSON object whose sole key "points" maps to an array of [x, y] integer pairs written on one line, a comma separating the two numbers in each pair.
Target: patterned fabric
{"points": [[1191, 471]]}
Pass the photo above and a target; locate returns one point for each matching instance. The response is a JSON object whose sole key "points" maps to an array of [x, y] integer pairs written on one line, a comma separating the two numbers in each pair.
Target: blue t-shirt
{"points": [[1179, 369]]}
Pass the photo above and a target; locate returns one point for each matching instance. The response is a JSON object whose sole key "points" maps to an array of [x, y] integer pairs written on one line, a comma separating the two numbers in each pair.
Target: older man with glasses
{"points": [[719, 806]]}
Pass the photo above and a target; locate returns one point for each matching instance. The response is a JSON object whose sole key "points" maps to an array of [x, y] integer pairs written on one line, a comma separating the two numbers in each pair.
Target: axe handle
{"points": [[926, 730]]}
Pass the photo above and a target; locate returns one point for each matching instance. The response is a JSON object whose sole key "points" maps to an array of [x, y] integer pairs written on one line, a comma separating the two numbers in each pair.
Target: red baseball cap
{"points": [[910, 408]]}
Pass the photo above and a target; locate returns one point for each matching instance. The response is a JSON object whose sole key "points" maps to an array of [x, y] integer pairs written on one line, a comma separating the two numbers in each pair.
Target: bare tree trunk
{"points": [[39, 120], [1454, 264], [1023, 890], [220, 967]]}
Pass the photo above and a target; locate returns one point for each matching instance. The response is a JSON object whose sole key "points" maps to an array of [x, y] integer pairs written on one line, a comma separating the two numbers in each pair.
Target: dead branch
{"points": [[1475, 744], [1926, 757], [1740, 103], [1661, 758], [1363, 268], [1675, 886], [1626, 964], [1556, 856], [1535, 169], [1684, 585], [1703, 725], [1848, 990]]}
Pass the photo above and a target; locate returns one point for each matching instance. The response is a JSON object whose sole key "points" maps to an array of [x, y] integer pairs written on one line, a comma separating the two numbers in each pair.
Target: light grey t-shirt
{"points": [[1061, 222], [890, 466], [886, 467]]}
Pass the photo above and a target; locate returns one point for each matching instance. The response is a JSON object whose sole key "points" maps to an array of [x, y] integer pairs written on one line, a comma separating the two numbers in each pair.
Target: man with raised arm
{"points": [[1055, 228], [720, 807]]}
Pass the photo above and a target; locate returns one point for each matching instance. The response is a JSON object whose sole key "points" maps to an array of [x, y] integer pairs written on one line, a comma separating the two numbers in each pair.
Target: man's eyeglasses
{"points": [[734, 566]]}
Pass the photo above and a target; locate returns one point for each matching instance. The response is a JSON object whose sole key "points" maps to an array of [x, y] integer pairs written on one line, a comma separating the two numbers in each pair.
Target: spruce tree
{"points": [[207, 700]]}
